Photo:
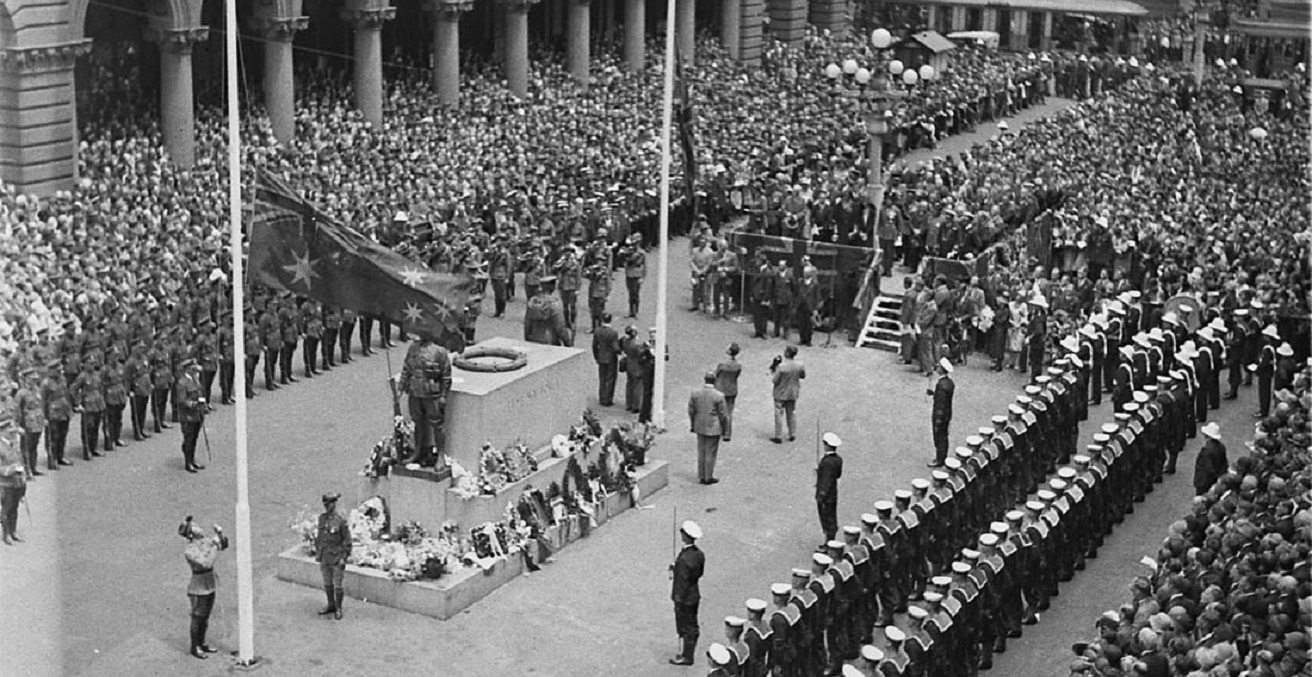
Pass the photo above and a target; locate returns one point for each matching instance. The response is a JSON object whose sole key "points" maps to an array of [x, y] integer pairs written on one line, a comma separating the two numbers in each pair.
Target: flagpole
{"points": [[663, 260], [245, 597]]}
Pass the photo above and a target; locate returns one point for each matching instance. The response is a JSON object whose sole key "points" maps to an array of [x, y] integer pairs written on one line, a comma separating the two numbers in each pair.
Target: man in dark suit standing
{"points": [[606, 351], [708, 417], [686, 571], [631, 344], [726, 381], [826, 486], [941, 418], [1212, 462]]}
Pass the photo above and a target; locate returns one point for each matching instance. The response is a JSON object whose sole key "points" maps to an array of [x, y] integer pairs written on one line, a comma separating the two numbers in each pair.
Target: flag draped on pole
{"points": [[683, 115], [297, 248]]}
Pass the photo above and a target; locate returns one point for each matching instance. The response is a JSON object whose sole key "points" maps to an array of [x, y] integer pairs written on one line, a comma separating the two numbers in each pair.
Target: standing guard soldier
{"points": [[544, 319], [271, 339], [289, 330], [1265, 370], [1123, 378], [332, 545], [366, 335], [88, 396], [757, 636], [874, 544], [227, 359], [1239, 328], [1077, 517], [785, 624], [734, 627], [31, 420], [810, 627], [915, 544], [161, 381], [1113, 340], [311, 318], [57, 407], [207, 354], [252, 348], [332, 325], [861, 612], [500, 273], [847, 590], [1093, 352], [1212, 349], [825, 589], [192, 407], [892, 594], [114, 378], [920, 646], [426, 380], [344, 335], [138, 378], [1000, 585], [897, 662]]}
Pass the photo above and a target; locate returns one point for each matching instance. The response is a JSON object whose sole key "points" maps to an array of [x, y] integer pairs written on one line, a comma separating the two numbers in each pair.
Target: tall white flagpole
{"points": [[245, 594], [662, 267]]}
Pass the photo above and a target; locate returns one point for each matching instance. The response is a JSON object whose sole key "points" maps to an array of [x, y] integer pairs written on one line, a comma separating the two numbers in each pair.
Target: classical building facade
{"points": [[41, 42]]}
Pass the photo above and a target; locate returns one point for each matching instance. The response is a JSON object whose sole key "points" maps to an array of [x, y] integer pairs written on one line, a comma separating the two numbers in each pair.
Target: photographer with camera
{"points": [[634, 260], [200, 554], [786, 374]]}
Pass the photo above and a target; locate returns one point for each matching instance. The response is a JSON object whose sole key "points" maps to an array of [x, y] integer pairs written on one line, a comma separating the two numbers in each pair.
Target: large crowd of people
{"points": [[1228, 592]]}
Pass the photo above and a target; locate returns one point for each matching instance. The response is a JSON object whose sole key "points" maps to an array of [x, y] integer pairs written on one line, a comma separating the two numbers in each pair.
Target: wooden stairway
{"points": [[882, 327]]}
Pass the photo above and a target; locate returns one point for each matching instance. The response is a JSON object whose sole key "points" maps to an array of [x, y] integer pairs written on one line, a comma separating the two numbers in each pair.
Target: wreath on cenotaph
{"points": [[511, 360]]}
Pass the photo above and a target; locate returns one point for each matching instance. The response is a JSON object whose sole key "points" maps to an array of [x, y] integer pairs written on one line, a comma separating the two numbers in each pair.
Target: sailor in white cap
{"points": [[733, 641], [826, 485], [721, 660], [686, 571], [941, 416], [1266, 369], [1212, 463]]}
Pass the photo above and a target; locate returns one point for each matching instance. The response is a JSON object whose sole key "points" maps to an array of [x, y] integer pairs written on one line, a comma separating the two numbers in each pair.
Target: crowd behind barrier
{"points": [[1230, 590]]}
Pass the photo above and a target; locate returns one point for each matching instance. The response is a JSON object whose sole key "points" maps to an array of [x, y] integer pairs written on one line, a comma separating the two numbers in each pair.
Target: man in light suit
{"points": [[787, 377], [726, 381], [606, 351], [708, 416]]}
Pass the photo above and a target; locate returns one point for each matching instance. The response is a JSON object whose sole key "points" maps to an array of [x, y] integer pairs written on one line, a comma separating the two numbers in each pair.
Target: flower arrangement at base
{"points": [[633, 441], [390, 450]]}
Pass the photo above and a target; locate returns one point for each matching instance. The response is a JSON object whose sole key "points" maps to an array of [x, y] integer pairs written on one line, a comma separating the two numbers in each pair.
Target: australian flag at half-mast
{"points": [[297, 248]]}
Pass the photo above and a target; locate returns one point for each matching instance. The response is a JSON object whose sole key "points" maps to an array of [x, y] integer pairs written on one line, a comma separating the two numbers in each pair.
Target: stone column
{"points": [[446, 47], [991, 21], [38, 116], [1045, 40], [368, 72], [580, 27], [752, 32], [731, 15], [684, 37], [635, 28], [931, 16], [788, 20], [177, 103], [279, 81], [516, 65], [830, 15]]}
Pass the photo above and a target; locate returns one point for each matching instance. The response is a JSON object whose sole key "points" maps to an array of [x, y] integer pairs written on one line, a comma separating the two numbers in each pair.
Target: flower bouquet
{"points": [[390, 450], [632, 440], [306, 526], [464, 482]]}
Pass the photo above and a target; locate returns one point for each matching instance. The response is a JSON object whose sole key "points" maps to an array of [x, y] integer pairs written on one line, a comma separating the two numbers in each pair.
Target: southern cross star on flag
{"points": [[297, 248]]}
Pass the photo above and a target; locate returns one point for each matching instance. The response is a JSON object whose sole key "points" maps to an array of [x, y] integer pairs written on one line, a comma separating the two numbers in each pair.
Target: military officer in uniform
{"points": [[31, 420], [635, 269], [227, 359], [332, 545], [13, 480], [569, 278], [332, 326], [344, 334], [290, 334], [941, 417], [312, 327], [252, 348], [686, 572], [192, 406], [116, 399], [89, 397], [544, 319], [271, 338], [426, 380], [138, 377], [826, 486], [57, 406]]}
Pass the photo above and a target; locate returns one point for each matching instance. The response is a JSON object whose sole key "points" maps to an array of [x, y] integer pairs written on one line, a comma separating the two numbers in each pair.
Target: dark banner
{"points": [[954, 269], [828, 259]]}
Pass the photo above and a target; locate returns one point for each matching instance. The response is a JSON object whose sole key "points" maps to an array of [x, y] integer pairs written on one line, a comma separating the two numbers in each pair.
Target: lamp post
{"points": [[853, 81]]}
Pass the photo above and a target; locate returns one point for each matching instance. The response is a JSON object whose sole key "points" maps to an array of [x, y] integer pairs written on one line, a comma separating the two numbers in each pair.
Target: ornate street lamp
{"points": [[853, 81]]}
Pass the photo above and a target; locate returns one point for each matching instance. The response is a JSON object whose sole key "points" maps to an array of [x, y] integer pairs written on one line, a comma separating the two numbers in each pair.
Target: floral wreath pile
{"points": [[390, 450], [527, 527]]}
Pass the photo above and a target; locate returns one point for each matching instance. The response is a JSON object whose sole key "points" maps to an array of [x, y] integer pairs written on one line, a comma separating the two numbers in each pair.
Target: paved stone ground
{"points": [[99, 587]]}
